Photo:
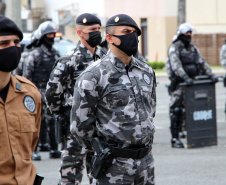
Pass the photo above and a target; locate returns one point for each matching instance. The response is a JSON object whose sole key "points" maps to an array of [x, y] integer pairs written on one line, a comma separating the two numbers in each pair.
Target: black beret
{"points": [[123, 20], [87, 19], [8, 27]]}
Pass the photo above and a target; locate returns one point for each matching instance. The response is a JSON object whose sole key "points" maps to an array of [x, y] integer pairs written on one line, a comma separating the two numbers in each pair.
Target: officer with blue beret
{"points": [[113, 109], [59, 95]]}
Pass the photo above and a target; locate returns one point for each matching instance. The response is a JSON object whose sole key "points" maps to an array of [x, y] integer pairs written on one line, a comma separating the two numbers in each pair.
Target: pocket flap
{"points": [[28, 125]]}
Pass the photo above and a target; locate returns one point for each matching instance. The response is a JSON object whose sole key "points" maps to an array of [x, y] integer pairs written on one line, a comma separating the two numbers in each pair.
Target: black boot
{"points": [[44, 147], [176, 143], [54, 154]]}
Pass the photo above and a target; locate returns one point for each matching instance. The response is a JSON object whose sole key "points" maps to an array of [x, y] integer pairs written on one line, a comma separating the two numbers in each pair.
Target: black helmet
{"points": [[47, 27]]}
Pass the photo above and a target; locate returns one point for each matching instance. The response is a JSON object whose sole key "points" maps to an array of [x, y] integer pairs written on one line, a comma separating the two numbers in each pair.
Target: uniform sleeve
{"points": [[204, 65], [83, 119], [37, 122], [153, 97], [28, 67], [223, 55], [175, 62], [56, 86], [19, 69]]}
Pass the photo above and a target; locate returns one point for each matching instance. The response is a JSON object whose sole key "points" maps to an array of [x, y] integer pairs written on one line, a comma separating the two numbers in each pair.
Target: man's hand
{"points": [[214, 79]]}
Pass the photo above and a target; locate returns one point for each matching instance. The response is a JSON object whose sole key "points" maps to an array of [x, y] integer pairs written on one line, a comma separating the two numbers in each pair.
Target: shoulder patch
{"points": [[147, 78], [60, 66], [25, 80], [29, 103], [87, 85]]}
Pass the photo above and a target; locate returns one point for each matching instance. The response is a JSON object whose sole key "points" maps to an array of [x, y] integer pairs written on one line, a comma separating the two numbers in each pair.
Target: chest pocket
{"points": [[117, 96], [27, 129], [146, 86]]}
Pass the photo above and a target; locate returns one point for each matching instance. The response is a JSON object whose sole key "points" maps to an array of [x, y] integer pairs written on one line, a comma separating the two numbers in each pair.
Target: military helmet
{"points": [[34, 39], [47, 27], [184, 28], [35, 35]]}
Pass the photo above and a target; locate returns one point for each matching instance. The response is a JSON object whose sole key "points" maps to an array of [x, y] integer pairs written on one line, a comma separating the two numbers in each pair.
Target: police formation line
{"points": [[99, 104]]}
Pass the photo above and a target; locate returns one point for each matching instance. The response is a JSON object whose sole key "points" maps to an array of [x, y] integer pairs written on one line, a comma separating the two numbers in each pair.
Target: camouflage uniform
{"points": [[176, 56], [117, 102], [59, 95], [223, 55], [19, 69], [36, 59]]}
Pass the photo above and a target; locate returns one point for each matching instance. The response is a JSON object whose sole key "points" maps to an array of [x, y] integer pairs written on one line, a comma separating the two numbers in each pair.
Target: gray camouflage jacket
{"points": [[60, 87], [114, 103], [33, 58], [175, 62], [19, 69]]}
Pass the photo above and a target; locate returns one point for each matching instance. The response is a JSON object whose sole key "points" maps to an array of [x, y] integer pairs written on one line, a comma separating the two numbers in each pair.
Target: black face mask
{"points": [[186, 39], [48, 42], [9, 58], [129, 43], [94, 38]]}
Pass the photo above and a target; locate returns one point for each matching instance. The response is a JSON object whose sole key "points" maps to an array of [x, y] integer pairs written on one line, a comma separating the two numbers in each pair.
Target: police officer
{"points": [[223, 55], [115, 101], [59, 94], [184, 63], [20, 111], [37, 68], [25, 53]]}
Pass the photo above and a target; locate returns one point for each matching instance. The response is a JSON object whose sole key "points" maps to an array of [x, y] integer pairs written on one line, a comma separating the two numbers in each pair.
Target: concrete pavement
{"points": [[197, 166]]}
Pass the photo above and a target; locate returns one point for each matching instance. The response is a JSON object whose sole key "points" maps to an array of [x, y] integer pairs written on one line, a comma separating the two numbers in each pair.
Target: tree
{"points": [[181, 12]]}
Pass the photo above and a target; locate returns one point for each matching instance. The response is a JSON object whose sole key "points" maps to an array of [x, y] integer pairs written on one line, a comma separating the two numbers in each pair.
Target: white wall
{"points": [[208, 16], [78, 7]]}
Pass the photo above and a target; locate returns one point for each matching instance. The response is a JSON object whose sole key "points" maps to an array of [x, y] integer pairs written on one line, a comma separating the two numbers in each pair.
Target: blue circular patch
{"points": [[29, 103]]}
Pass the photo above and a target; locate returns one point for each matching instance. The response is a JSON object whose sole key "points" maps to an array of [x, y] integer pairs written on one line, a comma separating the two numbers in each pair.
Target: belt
{"points": [[129, 152]]}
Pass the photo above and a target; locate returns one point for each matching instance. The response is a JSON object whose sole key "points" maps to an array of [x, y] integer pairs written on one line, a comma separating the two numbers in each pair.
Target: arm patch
{"points": [[60, 66]]}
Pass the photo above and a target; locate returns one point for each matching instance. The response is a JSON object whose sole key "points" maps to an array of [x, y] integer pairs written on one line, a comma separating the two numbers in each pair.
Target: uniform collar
{"points": [[86, 53], [118, 64], [15, 87], [46, 50]]}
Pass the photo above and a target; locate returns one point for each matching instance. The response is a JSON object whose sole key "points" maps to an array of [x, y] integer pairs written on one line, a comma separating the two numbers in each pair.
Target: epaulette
{"points": [[139, 60], [25, 80]]}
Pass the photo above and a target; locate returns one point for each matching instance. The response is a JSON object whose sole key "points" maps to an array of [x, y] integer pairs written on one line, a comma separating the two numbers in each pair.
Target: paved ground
{"points": [[199, 166]]}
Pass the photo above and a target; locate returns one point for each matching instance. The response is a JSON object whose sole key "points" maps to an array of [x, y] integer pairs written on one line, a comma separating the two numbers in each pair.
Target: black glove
{"points": [[189, 81], [214, 79]]}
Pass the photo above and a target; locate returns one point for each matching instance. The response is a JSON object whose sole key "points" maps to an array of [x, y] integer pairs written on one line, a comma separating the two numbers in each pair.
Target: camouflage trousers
{"points": [[130, 172], [177, 98], [177, 112], [47, 129], [72, 163]]}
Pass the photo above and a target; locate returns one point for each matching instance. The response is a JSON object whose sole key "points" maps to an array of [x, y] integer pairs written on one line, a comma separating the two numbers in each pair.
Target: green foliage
{"points": [[156, 64]]}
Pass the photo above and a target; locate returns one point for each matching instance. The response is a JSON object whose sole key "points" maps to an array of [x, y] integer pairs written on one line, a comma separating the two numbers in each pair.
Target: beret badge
{"points": [[84, 20], [116, 19]]}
